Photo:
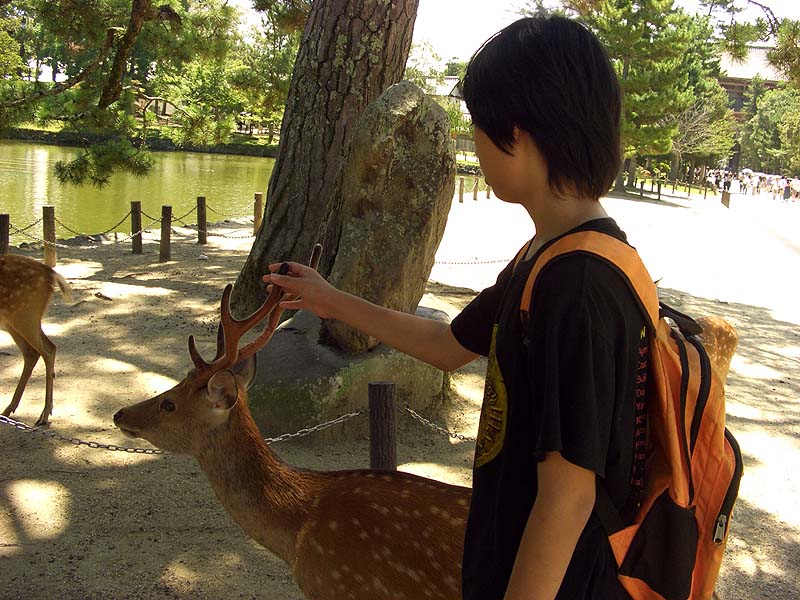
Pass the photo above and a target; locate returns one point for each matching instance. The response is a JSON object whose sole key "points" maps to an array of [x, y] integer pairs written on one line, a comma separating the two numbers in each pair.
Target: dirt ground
{"points": [[78, 522]]}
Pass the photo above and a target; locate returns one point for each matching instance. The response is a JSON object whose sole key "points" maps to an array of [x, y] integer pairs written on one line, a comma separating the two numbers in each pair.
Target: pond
{"points": [[27, 183]]}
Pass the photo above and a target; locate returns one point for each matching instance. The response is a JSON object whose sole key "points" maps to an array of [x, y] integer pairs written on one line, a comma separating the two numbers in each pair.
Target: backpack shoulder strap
{"points": [[521, 253], [616, 252]]}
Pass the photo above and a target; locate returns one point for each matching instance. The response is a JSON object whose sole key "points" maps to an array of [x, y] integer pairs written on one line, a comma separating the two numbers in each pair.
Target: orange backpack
{"points": [[673, 548]]}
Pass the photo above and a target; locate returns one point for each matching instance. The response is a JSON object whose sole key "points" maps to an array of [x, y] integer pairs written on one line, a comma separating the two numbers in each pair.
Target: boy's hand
{"points": [[312, 291]]}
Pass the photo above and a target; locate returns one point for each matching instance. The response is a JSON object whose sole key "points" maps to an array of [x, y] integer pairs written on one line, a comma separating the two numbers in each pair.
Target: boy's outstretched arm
{"points": [[425, 339], [564, 501]]}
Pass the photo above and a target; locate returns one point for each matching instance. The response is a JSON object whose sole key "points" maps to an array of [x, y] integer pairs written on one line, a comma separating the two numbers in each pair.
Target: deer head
{"points": [[185, 418]]}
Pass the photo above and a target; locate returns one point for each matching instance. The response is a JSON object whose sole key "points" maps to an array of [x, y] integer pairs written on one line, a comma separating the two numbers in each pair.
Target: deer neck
{"points": [[265, 496]]}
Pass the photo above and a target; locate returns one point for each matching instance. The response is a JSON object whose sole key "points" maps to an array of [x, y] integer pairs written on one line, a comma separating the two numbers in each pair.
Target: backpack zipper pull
{"points": [[719, 530]]}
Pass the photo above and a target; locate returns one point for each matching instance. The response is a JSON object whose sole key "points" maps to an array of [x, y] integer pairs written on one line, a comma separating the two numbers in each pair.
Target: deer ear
{"points": [[246, 371], [222, 390]]}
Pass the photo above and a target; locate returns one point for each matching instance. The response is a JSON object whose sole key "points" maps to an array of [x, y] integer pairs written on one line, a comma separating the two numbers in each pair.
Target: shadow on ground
{"points": [[83, 523]]}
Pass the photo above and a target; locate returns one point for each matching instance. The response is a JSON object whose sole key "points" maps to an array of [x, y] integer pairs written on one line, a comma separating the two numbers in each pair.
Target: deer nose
{"points": [[118, 415]]}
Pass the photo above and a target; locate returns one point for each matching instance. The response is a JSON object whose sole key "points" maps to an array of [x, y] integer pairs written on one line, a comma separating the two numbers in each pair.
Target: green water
{"points": [[27, 183]]}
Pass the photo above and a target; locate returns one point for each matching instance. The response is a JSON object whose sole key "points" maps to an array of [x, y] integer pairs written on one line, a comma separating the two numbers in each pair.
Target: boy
{"points": [[558, 414]]}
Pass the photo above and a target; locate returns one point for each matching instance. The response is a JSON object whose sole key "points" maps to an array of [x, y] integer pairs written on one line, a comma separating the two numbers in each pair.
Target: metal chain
{"points": [[34, 224], [70, 247], [140, 232], [114, 448], [107, 231], [480, 262], [434, 426], [229, 236], [310, 430], [43, 241], [75, 441], [227, 216]]}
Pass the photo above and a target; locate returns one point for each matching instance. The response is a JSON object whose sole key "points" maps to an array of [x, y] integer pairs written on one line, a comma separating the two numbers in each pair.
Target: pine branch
{"points": [[71, 82]]}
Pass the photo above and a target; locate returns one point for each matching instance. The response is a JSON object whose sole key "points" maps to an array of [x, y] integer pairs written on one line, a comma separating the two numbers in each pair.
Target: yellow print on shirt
{"points": [[492, 428]]}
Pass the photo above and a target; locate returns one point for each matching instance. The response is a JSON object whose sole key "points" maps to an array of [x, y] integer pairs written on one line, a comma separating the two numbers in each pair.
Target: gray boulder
{"points": [[398, 184], [301, 383]]}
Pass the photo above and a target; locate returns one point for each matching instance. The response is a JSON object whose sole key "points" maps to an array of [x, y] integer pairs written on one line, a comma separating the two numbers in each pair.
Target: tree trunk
{"points": [[632, 172], [619, 184], [350, 52], [675, 166]]}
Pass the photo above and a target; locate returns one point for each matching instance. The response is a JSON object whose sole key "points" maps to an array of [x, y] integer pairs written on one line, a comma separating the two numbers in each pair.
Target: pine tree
{"points": [[646, 40]]}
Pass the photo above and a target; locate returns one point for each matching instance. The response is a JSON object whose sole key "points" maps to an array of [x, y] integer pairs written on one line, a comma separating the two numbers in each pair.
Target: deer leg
{"points": [[48, 352], [31, 356]]}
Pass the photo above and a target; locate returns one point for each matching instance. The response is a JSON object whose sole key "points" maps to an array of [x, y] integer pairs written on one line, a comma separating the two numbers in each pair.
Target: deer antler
{"points": [[232, 330]]}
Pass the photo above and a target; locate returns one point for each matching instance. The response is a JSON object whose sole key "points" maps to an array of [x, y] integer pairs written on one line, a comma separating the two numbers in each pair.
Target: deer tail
{"points": [[64, 286]]}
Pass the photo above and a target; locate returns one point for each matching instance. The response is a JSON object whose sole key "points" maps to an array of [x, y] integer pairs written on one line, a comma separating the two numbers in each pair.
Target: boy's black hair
{"points": [[550, 76]]}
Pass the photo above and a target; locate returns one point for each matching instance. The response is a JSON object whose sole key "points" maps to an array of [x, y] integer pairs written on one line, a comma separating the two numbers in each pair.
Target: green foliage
{"points": [[459, 122], [706, 128], [263, 70], [100, 161], [769, 137], [10, 59], [112, 58], [786, 54], [455, 68], [647, 41], [422, 67]]}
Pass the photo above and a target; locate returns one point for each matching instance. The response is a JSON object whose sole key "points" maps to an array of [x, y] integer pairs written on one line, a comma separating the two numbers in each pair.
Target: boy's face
{"points": [[514, 177]]}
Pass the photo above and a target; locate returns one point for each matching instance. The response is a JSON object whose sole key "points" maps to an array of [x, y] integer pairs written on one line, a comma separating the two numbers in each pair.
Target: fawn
{"points": [[410, 529], [26, 287], [346, 535]]}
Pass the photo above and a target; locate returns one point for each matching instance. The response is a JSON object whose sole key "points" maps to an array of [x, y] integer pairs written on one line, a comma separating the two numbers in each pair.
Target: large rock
{"points": [[397, 188], [301, 383]]}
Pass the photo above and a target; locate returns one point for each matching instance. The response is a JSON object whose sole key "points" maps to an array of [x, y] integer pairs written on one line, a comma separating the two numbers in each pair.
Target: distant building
{"points": [[736, 76], [443, 87]]}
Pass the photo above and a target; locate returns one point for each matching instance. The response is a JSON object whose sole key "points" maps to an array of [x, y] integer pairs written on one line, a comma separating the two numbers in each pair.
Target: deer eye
{"points": [[168, 405]]}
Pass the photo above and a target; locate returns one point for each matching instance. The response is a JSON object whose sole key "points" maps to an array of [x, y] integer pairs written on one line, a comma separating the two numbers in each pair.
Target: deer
{"points": [[26, 287], [409, 530]]}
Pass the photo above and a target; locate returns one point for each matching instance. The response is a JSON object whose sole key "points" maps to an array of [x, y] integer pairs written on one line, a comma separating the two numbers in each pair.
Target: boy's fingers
{"points": [[291, 304]]}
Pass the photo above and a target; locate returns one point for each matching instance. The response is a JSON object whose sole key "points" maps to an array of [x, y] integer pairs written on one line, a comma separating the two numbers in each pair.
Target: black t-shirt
{"points": [[565, 381]]}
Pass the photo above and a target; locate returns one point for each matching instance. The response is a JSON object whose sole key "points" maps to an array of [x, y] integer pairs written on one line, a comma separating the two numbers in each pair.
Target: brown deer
{"points": [[720, 340], [26, 287], [408, 530]]}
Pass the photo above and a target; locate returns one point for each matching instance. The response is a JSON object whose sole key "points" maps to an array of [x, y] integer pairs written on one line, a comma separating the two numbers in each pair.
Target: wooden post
{"points": [[461, 189], [5, 233], [382, 428], [166, 227], [136, 227], [705, 190], [689, 193], [652, 184], [202, 224], [258, 211], [659, 190], [49, 231], [475, 190], [674, 183], [641, 188]]}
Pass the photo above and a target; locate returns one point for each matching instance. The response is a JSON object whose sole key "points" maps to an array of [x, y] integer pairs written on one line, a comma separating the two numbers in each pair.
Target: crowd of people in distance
{"points": [[748, 182]]}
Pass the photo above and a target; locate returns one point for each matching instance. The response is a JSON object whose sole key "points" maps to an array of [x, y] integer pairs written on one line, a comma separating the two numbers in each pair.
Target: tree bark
{"points": [[632, 171], [351, 52]]}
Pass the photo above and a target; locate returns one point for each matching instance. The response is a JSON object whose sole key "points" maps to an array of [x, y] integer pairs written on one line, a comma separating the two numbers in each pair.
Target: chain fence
{"points": [[48, 433], [124, 239]]}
